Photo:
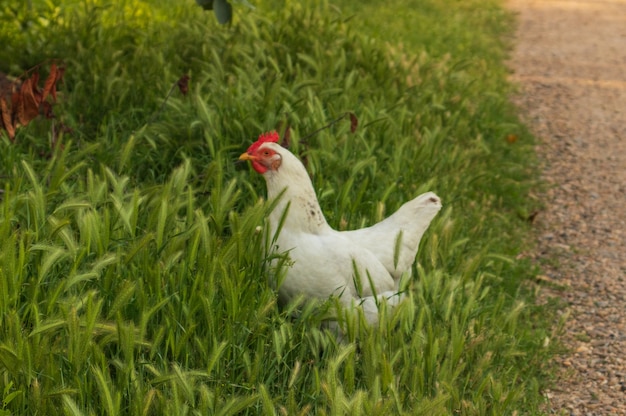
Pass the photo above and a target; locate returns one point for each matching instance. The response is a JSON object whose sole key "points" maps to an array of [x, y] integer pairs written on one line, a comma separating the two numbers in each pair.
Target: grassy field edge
{"points": [[133, 273]]}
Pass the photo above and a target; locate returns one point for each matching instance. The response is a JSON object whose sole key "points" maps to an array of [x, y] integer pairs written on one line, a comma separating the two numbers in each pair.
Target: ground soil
{"points": [[570, 62]]}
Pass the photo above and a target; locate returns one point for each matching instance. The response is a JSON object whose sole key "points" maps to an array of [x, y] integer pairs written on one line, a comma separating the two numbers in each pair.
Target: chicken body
{"points": [[359, 267]]}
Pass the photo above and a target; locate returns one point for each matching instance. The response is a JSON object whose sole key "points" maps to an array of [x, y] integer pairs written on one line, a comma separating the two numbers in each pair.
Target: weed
{"points": [[133, 263]]}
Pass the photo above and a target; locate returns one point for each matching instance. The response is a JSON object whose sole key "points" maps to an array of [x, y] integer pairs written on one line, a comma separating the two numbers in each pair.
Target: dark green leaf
{"points": [[223, 11], [205, 4]]}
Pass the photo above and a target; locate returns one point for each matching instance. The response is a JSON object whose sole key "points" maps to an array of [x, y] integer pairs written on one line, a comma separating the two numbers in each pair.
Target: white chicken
{"points": [[359, 267]]}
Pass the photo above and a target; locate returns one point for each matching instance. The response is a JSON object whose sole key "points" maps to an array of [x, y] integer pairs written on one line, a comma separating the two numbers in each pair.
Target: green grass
{"points": [[132, 267]]}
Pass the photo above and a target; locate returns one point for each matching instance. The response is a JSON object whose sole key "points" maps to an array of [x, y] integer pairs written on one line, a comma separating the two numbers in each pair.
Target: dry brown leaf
{"points": [[354, 122], [183, 84], [50, 87], [7, 123], [28, 102]]}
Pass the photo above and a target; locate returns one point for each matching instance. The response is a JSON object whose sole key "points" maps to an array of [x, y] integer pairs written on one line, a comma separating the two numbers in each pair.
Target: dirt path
{"points": [[570, 60]]}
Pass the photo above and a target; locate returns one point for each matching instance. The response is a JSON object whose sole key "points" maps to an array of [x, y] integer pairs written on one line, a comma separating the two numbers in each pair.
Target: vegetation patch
{"points": [[132, 257]]}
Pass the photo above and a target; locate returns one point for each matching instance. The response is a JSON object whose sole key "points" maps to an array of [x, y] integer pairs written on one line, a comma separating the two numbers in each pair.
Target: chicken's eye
{"points": [[266, 153]]}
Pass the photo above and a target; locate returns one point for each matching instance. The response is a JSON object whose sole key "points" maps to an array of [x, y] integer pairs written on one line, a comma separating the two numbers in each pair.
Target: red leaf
{"points": [[3, 110], [50, 87], [6, 121], [354, 122], [29, 101], [287, 136], [183, 84]]}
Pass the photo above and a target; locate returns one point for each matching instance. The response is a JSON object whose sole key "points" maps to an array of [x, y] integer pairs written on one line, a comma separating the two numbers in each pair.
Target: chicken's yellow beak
{"points": [[246, 156]]}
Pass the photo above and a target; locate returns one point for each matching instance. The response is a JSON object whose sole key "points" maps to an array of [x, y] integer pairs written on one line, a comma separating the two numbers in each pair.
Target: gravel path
{"points": [[570, 61]]}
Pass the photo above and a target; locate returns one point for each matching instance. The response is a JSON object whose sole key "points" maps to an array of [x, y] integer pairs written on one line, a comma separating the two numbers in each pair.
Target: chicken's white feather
{"points": [[358, 267]]}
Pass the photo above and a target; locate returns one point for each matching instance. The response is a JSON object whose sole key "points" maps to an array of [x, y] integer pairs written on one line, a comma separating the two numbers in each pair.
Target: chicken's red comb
{"points": [[271, 136]]}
